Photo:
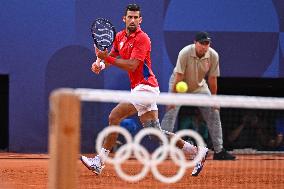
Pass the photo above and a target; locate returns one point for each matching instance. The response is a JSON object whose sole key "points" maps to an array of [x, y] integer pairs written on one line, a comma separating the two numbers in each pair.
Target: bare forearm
{"points": [[213, 89], [212, 81], [124, 64]]}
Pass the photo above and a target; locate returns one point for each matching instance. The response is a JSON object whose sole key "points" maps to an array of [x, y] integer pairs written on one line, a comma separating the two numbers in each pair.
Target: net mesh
{"points": [[253, 130]]}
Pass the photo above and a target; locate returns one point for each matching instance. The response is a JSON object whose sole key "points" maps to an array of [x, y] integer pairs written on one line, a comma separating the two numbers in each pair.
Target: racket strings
{"points": [[103, 33]]}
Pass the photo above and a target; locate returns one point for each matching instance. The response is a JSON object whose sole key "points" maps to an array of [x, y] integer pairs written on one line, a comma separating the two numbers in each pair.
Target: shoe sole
{"points": [[90, 168], [199, 170]]}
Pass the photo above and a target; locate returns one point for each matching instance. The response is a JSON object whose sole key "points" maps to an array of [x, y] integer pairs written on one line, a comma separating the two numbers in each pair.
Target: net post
{"points": [[64, 139]]}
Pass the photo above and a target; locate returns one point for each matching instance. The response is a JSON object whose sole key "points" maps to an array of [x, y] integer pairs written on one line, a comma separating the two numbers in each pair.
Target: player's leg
{"points": [[120, 112], [148, 115], [150, 119]]}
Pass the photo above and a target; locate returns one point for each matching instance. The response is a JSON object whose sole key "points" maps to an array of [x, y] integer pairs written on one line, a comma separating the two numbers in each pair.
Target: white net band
{"points": [[252, 102]]}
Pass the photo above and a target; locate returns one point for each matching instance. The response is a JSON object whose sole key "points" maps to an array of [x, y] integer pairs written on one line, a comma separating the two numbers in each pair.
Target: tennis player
{"points": [[131, 52]]}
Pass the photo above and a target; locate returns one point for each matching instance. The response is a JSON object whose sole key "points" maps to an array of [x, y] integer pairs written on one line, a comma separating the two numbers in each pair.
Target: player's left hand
{"points": [[96, 68]]}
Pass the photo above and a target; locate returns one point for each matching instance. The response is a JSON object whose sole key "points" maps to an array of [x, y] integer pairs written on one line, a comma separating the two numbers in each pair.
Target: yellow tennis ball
{"points": [[181, 87]]}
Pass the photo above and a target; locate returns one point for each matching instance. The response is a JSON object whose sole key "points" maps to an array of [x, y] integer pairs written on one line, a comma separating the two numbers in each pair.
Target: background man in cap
{"points": [[196, 62]]}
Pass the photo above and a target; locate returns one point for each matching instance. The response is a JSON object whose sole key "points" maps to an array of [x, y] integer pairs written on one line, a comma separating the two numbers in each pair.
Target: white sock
{"points": [[103, 154], [189, 148]]}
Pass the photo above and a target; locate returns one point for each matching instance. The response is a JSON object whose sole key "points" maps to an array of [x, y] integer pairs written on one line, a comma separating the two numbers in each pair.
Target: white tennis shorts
{"points": [[143, 108]]}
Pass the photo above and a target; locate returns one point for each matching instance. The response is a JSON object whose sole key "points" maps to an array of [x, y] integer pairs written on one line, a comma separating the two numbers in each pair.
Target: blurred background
{"points": [[46, 44]]}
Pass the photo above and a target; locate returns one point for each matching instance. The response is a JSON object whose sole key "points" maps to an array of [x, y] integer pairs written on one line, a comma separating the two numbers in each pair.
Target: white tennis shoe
{"points": [[94, 164], [198, 167]]}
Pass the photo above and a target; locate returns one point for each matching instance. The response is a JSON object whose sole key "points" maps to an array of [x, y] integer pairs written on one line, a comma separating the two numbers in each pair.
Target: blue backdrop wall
{"points": [[46, 44]]}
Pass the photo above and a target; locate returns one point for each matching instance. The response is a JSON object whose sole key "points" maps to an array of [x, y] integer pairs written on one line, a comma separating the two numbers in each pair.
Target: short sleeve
{"points": [[181, 62], [214, 61]]}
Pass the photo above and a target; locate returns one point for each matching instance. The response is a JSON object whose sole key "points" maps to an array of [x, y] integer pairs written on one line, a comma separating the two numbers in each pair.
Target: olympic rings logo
{"points": [[143, 156]]}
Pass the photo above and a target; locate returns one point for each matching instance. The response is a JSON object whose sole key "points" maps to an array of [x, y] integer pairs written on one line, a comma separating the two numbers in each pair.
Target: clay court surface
{"points": [[30, 171]]}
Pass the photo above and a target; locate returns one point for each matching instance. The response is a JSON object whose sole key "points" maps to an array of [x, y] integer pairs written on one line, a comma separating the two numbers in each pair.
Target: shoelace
{"points": [[95, 162]]}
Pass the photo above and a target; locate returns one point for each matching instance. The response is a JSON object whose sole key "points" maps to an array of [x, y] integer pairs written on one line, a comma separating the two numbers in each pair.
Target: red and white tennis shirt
{"points": [[136, 46]]}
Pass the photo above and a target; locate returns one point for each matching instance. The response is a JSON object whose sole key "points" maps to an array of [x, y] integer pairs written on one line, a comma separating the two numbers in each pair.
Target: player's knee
{"points": [[114, 120]]}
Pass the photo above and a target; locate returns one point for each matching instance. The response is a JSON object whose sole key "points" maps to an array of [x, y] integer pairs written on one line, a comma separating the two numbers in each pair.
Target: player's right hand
{"points": [[96, 68]]}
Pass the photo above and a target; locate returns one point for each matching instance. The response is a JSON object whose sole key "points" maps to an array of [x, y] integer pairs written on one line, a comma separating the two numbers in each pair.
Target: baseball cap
{"points": [[202, 37]]}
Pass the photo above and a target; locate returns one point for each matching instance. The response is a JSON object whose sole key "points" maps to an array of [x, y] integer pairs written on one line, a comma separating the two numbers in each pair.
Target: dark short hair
{"points": [[132, 7]]}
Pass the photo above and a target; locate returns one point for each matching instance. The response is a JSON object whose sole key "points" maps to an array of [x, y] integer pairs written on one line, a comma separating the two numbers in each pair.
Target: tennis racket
{"points": [[103, 33]]}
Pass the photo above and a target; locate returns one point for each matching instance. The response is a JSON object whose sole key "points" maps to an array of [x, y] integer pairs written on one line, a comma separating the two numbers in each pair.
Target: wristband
{"points": [[110, 59]]}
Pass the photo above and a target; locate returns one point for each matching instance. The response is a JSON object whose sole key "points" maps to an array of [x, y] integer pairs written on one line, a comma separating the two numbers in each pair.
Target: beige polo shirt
{"points": [[196, 69]]}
